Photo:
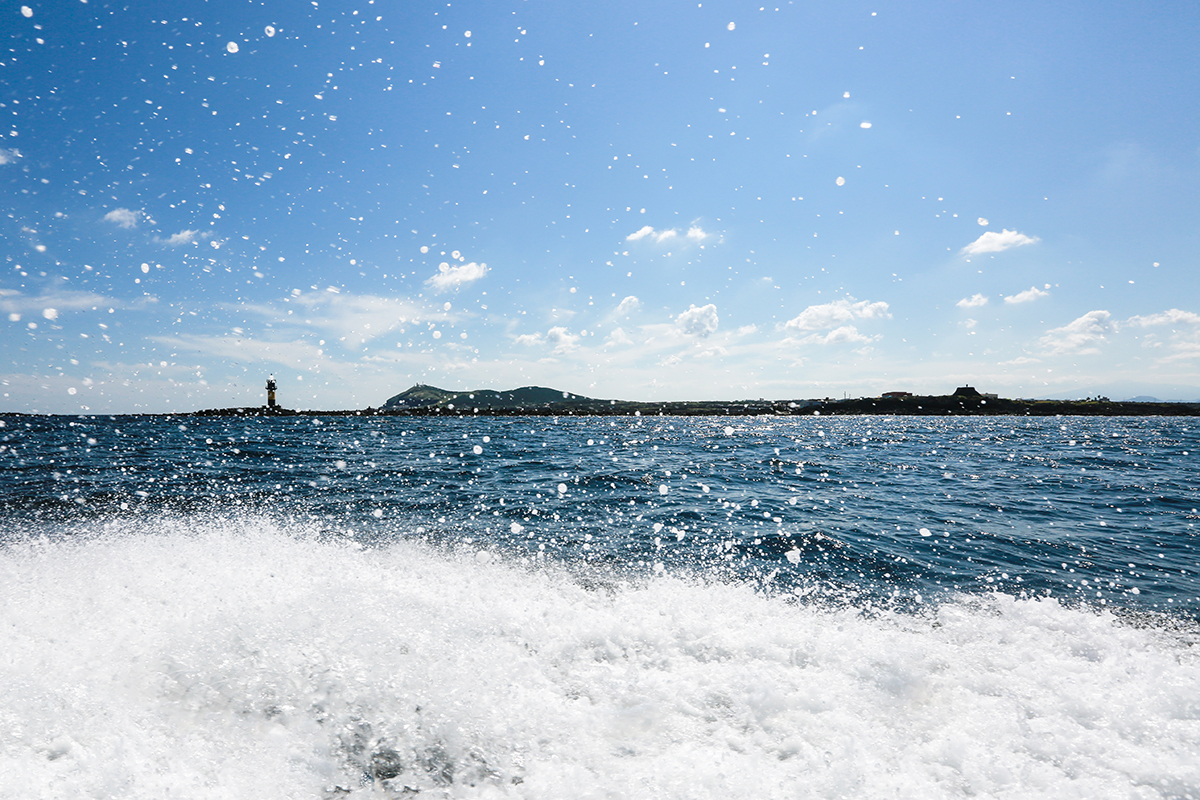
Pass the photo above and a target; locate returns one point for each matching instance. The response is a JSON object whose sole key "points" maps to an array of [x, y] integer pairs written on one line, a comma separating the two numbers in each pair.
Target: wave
{"points": [[251, 657]]}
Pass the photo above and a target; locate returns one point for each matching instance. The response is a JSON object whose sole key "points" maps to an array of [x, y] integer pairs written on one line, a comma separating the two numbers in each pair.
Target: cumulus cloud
{"points": [[8, 156], [628, 306], [992, 242], [1027, 296], [1079, 336], [827, 315], [974, 301], [700, 321], [179, 239], [559, 337], [125, 217], [562, 340], [694, 234], [448, 277]]}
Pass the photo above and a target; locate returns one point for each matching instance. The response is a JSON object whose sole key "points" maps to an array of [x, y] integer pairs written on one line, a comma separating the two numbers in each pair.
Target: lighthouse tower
{"points": [[271, 392]]}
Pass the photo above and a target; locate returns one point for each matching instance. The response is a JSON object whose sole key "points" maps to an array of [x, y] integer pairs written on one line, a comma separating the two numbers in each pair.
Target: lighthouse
{"points": [[271, 392]]}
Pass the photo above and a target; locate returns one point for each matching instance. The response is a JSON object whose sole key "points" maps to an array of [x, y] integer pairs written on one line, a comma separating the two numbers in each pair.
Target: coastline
{"points": [[931, 406]]}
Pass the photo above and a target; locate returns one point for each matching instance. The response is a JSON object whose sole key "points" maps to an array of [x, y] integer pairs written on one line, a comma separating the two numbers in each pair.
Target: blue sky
{"points": [[650, 200]]}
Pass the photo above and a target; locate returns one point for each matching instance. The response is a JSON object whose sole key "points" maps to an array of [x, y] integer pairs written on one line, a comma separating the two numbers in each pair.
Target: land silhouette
{"points": [[430, 401]]}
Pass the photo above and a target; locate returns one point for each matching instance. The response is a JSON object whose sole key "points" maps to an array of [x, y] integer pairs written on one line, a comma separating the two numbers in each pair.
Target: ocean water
{"points": [[599, 608]]}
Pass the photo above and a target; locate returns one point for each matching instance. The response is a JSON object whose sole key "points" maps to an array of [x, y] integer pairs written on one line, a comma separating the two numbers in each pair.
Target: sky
{"points": [[642, 200]]}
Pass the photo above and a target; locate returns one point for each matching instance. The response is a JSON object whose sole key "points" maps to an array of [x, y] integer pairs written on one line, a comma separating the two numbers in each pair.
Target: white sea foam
{"points": [[210, 659]]}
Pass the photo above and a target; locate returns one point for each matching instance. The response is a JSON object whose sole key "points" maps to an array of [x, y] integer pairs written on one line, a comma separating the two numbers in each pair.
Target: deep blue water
{"points": [[1095, 510], [599, 608]]}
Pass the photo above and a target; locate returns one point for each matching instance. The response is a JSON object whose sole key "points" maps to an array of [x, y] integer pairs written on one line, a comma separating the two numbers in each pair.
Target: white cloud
{"points": [[125, 217], [1184, 341], [974, 301], [628, 306], [1027, 296], [8, 156], [562, 340], [618, 336], [353, 319], [1174, 316], [449, 277], [827, 315], [694, 234], [845, 333], [13, 301], [992, 242], [700, 321], [1079, 336], [179, 239]]}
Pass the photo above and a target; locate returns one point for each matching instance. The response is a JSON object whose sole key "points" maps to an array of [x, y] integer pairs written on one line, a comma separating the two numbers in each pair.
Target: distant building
{"points": [[966, 391], [898, 394]]}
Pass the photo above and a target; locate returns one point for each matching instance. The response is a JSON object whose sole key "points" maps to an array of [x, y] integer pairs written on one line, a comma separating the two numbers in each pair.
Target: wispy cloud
{"points": [[1173, 316], [349, 318], [700, 321], [50, 304], [1027, 296], [1080, 336], [839, 335], [827, 315], [448, 277], [618, 336], [1184, 340], [124, 217], [992, 242], [8, 156], [974, 301]]}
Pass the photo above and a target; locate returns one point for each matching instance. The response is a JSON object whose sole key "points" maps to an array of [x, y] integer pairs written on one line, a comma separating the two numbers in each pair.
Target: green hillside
{"points": [[420, 396]]}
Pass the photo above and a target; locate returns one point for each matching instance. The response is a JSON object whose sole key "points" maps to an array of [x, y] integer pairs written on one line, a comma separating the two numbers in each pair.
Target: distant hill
{"points": [[421, 396]]}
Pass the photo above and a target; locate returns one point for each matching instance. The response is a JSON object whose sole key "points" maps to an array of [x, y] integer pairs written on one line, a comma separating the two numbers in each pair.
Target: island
{"points": [[430, 401]]}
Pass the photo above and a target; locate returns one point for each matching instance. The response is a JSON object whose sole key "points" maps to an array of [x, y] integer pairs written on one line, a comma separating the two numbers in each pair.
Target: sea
{"points": [[599, 607]]}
